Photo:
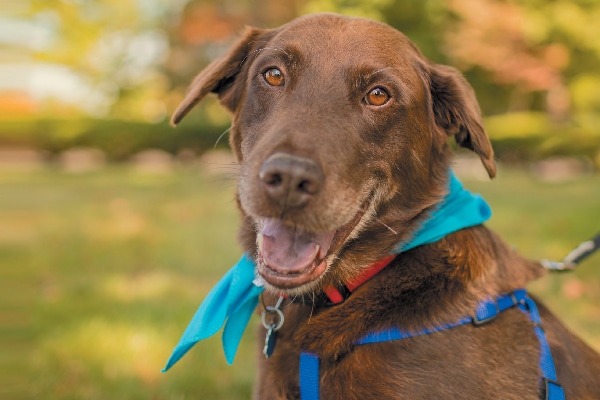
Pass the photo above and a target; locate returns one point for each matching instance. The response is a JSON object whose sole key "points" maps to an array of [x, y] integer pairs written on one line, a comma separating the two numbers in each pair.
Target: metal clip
{"points": [[569, 263], [558, 265]]}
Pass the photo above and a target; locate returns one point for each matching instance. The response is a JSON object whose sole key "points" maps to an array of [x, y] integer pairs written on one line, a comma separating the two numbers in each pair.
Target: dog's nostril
{"points": [[308, 186], [272, 179]]}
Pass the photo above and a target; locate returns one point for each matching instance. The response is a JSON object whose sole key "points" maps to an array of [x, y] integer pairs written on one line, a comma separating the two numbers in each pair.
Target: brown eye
{"points": [[377, 97], [274, 77]]}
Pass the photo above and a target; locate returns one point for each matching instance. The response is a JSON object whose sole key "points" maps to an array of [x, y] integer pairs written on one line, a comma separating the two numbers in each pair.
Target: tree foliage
{"points": [[136, 57], [522, 46]]}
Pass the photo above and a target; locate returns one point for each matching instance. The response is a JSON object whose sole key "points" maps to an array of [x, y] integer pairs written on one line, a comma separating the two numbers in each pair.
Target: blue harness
{"points": [[486, 312]]}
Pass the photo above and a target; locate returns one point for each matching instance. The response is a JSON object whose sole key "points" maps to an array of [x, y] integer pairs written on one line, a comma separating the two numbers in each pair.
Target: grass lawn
{"points": [[102, 272]]}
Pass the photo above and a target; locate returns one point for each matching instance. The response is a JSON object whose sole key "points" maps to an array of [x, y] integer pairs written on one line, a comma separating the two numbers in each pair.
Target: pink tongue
{"points": [[290, 250]]}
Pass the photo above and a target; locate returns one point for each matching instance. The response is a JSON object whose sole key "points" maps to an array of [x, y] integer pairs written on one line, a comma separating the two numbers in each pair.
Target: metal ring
{"points": [[280, 318]]}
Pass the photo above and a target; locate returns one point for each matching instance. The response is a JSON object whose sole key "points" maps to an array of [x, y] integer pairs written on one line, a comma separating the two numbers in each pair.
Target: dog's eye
{"points": [[274, 77], [377, 97]]}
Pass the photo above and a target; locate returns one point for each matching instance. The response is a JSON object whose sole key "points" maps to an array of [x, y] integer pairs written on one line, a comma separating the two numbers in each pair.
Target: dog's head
{"points": [[341, 128]]}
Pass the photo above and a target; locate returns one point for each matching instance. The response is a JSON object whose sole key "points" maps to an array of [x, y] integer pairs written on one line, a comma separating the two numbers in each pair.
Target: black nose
{"points": [[290, 180]]}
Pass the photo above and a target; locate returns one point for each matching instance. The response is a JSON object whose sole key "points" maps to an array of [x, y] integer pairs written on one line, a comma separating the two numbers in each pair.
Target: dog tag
{"points": [[270, 340], [275, 322]]}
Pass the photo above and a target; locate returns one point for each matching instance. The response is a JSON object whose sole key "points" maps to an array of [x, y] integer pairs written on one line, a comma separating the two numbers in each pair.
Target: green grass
{"points": [[101, 273]]}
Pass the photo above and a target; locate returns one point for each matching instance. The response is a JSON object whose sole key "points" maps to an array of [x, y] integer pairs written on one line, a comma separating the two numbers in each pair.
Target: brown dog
{"points": [[341, 128]]}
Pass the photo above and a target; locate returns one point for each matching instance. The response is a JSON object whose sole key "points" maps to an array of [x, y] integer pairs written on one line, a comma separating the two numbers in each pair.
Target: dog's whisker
{"points": [[312, 308], [294, 300], [261, 49], [381, 70], [221, 136], [387, 226], [275, 48]]}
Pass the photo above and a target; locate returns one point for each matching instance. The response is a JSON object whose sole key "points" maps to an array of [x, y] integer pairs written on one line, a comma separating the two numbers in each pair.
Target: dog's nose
{"points": [[290, 180]]}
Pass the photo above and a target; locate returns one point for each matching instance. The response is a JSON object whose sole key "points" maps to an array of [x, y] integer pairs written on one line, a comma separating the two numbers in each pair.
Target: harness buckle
{"points": [[486, 313]]}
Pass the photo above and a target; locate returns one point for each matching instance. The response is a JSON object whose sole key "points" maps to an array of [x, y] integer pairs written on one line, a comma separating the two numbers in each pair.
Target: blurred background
{"points": [[115, 225]]}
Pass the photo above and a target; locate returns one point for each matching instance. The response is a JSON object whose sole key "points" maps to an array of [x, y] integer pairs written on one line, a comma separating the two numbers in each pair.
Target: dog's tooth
{"points": [[259, 242], [317, 250]]}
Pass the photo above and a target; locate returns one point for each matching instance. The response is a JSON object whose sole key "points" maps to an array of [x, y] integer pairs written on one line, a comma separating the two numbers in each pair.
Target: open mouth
{"points": [[289, 256]]}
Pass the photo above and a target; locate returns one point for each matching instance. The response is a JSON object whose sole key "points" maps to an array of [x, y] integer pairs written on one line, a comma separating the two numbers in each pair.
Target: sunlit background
{"points": [[114, 226]]}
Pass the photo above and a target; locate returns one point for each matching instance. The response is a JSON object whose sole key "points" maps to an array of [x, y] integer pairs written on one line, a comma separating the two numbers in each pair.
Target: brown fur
{"points": [[391, 161]]}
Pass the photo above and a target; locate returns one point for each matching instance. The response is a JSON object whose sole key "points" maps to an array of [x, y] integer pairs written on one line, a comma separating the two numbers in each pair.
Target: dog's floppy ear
{"points": [[457, 112], [219, 77]]}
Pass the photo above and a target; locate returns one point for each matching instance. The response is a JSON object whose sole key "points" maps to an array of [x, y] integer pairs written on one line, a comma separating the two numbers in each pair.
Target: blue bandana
{"points": [[235, 297]]}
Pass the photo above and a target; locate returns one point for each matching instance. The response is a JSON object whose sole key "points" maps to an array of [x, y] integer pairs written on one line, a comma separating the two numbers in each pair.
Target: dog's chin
{"points": [[292, 259]]}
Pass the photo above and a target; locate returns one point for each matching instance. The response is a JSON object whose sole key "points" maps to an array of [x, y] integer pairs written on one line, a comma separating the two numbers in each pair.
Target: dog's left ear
{"points": [[457, 112]]}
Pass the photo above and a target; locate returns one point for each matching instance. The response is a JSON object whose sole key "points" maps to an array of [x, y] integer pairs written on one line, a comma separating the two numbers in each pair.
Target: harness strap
{"points": [[485, 313], [552, 389], [309, 376]]}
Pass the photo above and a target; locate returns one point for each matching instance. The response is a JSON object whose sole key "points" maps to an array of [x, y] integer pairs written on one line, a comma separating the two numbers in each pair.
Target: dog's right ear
{"points": [[220, 77], [457, 112]]}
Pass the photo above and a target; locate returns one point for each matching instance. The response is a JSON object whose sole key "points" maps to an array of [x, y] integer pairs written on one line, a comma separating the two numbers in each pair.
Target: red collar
{"points": [[337, 295]]}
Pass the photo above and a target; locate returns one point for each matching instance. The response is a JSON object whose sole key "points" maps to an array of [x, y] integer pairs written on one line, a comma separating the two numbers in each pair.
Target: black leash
{"points": [[580, 253]]}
